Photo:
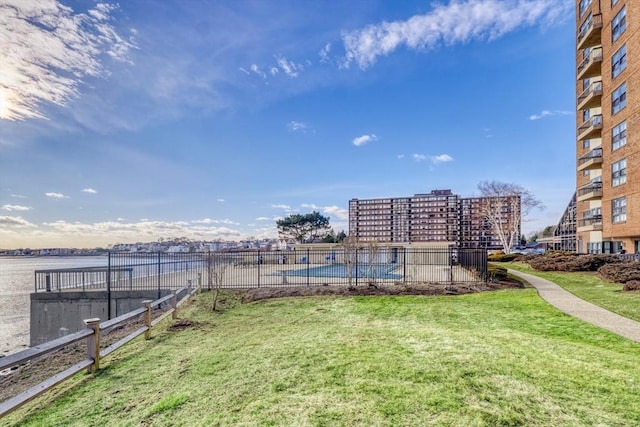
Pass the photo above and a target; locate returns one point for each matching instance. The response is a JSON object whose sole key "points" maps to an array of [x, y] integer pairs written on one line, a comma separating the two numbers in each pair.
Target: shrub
{"points": [[622, 272], [497, 273], [632, 285], [560, 262], [502, 257]]}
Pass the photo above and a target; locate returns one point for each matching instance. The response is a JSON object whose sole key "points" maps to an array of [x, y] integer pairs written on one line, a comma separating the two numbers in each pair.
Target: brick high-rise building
{"points": [[439, 216], [608, 126]]}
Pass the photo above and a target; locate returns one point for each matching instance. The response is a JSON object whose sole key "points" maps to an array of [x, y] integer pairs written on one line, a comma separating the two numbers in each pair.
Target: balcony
{"points": [[592, 223], [591, 191], [590, 66], [591, 128], [590, 33], [592, 160], [591, 97]]}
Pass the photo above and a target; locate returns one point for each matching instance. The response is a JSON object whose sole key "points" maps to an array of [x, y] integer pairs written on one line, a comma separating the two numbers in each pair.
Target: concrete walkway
{"points": [[576, 307]]}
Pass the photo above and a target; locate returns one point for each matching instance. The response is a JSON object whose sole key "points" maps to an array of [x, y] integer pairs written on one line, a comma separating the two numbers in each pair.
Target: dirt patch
{"points": [[258, 294], [183, 324]]}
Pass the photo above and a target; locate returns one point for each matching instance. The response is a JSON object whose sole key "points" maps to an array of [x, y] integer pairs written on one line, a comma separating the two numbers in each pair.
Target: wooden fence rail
{"points": [[92, 334]]}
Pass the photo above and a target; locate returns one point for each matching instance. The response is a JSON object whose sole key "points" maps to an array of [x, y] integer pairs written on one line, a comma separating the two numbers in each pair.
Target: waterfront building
{"points": [[439, 216], [608, 126]]}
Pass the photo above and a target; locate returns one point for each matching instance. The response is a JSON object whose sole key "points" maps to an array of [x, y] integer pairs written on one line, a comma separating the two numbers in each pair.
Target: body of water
{"points": [[17, 283]]}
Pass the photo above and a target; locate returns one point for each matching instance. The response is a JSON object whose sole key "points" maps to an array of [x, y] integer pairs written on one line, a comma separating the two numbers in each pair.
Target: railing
{"points": [[93, 335], [588, 221], [592, 155], [593, 89], [595, 122], [595, 187], [258, 268], [594, 56], [594, 22]]}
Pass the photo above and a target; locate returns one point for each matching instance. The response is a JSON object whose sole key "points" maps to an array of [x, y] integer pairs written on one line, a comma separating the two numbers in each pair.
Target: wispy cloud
{"points": [[459, 21], [546, 113], [215, 221], [89, 191], [48, 43], [11, 208], [441, 158], [290, 68], [364, 139], [286, 208], [56, 195], [294, 126]]}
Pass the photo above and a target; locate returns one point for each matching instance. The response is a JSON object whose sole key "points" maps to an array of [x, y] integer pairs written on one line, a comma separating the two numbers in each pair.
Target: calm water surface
{"points": [[16, 283]]}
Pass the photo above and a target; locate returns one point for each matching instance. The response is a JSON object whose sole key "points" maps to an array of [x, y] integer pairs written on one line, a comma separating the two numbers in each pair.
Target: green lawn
{"points": [[496, 358], [591, 288]]}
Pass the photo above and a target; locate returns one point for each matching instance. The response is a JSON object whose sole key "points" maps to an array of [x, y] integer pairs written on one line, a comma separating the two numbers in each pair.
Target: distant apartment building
{"points": [[608, 126], [438, 216]]}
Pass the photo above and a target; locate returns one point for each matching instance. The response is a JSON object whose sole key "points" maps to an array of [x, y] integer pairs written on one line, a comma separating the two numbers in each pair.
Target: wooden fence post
{"points": [[174, 303], [147, 318], [93, 344]]}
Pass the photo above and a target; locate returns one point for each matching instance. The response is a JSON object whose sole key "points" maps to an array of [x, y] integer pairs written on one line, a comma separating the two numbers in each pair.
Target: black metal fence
{"points": [[250, 269]]}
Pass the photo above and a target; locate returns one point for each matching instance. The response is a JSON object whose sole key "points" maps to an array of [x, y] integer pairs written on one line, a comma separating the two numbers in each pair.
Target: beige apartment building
{"points": [[608, 126], [437, 217]]}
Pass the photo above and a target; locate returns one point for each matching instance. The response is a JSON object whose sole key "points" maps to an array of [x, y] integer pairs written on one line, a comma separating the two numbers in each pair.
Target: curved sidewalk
{"points": [[576, 307]]}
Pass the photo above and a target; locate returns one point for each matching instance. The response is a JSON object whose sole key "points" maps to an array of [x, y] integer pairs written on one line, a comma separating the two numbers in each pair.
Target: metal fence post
{"points": [[93, 344], [159, 270], [356, 269], [258, 260], [47, 279], [404, 264], [109, 285], [308, 262], [147, 318]]}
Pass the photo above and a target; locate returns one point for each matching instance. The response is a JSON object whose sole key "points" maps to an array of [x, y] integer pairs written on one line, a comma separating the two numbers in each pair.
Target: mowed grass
{"points": [[589, 287], [496, 358]]}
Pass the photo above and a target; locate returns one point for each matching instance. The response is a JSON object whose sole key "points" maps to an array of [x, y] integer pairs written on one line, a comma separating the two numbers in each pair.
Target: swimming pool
{"points": [[378, 271]]}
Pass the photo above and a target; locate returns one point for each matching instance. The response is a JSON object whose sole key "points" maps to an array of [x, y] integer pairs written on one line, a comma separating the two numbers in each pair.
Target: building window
{"points": [[619, 62], [614, 2], [585, 114], [619, 173], [619, 98], [584, 5], [619, 209], [619, 24], [619, 135], [586, 143], [586, 172]]}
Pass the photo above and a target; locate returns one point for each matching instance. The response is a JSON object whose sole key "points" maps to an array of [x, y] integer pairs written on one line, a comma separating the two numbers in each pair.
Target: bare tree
{"points": [[504, 207], [216, 268], [372, 257], [350, 246]]}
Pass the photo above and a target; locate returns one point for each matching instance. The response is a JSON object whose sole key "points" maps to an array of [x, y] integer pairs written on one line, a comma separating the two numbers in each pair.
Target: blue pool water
{"points": [[381, 271]]}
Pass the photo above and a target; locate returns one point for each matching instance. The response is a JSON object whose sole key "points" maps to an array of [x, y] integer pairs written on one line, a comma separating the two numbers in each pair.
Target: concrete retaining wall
{"points": [[55, 314]]}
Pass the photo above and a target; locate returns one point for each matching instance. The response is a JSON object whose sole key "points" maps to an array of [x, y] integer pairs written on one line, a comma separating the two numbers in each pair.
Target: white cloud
{"points": [[545, 113], [89, 191], [15, 208], [324, 53], [19, 196], [290, 68], [400, 156], [14, 221], [363, 139], [332, 211], [215, 221], [442, 158], [258, 71], [220, 200], [47, 42], [56, 195], [294, 126], [285, 207], [459, 21], [263, 218]]}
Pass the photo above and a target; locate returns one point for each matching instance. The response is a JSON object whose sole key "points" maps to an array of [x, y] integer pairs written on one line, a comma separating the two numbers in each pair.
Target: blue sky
{"points": [[210, 120]]}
